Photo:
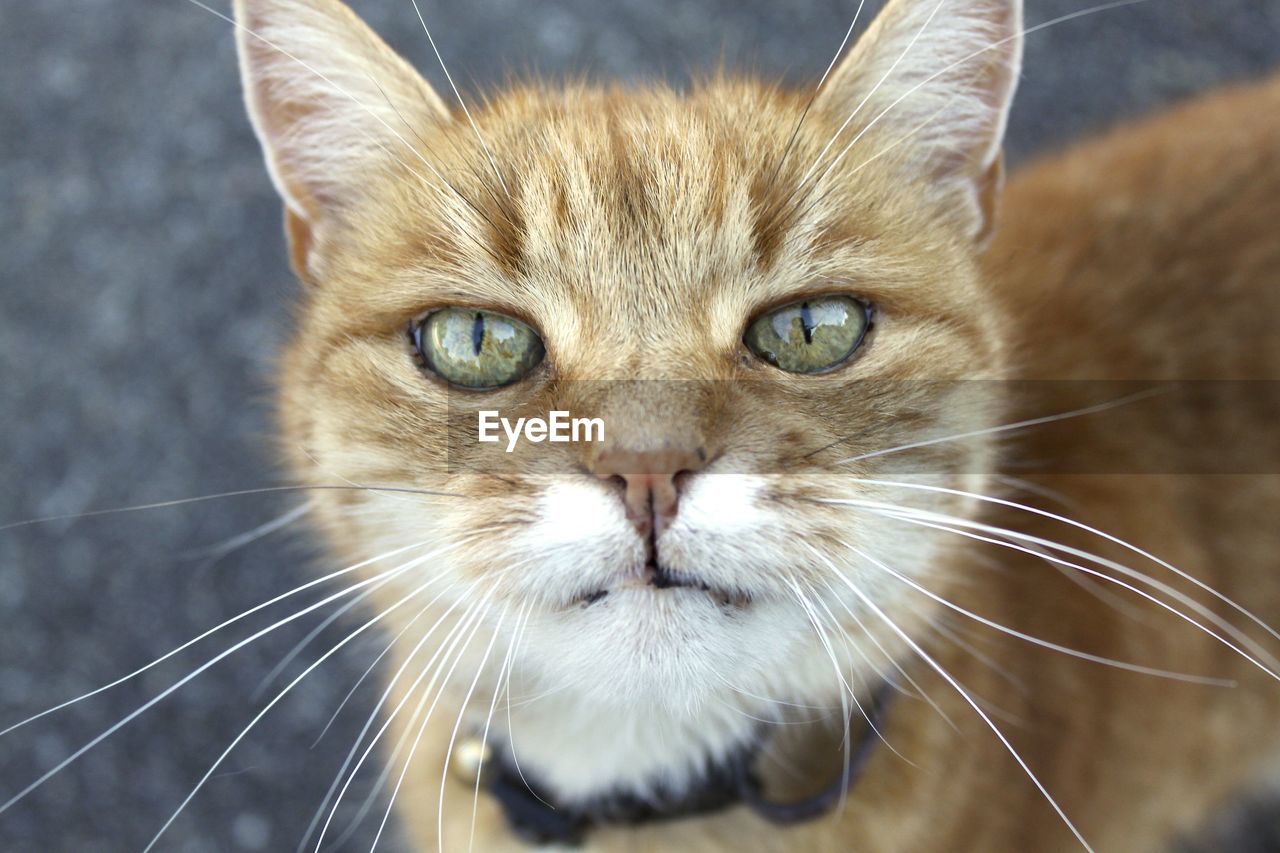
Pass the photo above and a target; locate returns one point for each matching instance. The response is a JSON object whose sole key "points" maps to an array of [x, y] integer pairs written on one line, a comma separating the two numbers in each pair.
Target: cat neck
{"points": [[581, 751]]}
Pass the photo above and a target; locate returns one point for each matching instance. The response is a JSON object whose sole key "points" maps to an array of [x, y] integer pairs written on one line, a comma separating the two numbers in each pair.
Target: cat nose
{"points": [[652, 492]]}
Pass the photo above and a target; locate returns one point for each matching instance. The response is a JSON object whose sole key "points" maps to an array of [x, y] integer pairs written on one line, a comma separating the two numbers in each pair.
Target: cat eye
{"points": [[476, 349], [810, 336]]}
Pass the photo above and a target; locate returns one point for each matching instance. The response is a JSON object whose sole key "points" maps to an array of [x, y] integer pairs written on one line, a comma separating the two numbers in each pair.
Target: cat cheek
{"points": [[576, 512], [720, 504]]}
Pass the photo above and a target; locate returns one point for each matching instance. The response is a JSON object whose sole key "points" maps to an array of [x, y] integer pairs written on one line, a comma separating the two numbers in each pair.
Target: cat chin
{"points": [[674, 648], [647, 693], [580, 752]]}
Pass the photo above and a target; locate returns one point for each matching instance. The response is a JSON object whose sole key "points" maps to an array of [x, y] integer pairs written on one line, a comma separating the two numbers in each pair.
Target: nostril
{"points": [[651, 482]]}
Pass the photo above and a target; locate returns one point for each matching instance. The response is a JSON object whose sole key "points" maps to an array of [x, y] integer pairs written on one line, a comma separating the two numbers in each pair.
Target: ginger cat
{"points": [[780, 307]]}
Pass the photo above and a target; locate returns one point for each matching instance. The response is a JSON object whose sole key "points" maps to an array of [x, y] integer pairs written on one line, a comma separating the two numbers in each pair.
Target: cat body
{"points": [[1138, 763], [641, 234]]}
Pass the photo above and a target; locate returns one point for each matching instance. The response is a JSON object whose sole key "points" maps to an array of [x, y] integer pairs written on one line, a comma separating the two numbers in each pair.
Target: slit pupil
{"points": [[477, 333], [806, 322]]}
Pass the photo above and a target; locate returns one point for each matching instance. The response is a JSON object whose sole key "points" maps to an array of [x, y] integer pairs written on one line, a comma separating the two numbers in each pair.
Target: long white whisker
{"points": [[469, 618], [382, 700], [302, 644], [511, 731], [952, 635], [919, 516], [386, 649], [835, 664], [237, 493], [217, 552], [262, 713], [866, 600], [177, 685], [1075, 653], [736, 689], [1088, 529], [439, 694], [1031, 422], [795, 132], [189, 643], [870, 94], [484, 736], [462, 103], [395, 641], [852, 694], [892, 660], [457, 725]]}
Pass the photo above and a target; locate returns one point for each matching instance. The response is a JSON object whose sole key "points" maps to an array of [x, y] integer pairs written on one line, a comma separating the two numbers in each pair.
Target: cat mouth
{"points": [[662, 580]]}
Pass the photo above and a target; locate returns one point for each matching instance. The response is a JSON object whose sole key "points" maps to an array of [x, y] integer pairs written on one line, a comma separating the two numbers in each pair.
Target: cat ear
{"points": [[328, 100], [937, 77]]}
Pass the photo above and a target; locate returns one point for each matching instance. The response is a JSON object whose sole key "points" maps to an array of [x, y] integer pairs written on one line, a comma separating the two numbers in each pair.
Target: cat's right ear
{"points": [[939, 76], [329, 101]]}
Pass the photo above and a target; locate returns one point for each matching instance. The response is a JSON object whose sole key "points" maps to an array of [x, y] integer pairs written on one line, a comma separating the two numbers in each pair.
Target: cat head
{"points": [[757, 291]]}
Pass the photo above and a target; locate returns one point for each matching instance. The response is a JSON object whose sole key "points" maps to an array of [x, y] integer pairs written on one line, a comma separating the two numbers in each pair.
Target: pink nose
{"points": [[652, 495]]}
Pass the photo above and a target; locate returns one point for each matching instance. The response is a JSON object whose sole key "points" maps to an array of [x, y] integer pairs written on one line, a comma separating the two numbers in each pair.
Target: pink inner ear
{"points": [[329, 100], [933, 81]]}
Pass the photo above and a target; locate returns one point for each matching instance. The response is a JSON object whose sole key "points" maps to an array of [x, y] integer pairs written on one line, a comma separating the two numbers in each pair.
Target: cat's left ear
{"points": [[937, 77], [329, 101]]}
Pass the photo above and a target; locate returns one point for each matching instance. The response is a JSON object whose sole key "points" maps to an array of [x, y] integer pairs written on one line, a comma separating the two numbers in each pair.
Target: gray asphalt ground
{"points": [[143, 292]]}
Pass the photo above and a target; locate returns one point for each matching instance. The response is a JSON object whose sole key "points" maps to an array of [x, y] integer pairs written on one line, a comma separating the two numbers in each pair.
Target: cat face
{"points": [[756, 294]]}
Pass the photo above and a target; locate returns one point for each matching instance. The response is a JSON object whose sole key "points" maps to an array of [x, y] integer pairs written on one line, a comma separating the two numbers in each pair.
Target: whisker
{"points": [[462, 103], [172, 688], [1033, 488], [817, 89], [906, 50], [893, 661], [209, 633], [215, 553], [279, 696], [866, 600], [1085, 527], [835, 665], [1075, 653], [382, 700], [468, 619], [736, 689], [76, 516], [439, 694], [916, 517], [336, 615], [484, 737], [846, 737], [453, 736], [302, 644], [813, 618], [395, 641], [977, 433], [479, 211], [769, 721], [952, 634], [511, 730]]}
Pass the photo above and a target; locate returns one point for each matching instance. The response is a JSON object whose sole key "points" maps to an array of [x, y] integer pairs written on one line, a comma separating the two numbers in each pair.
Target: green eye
{"points": [[476, 349], [810, 336]]}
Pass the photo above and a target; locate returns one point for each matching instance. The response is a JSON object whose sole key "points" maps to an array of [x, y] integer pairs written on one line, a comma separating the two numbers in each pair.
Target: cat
{"points": [[763, 296], [858, 396]]}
